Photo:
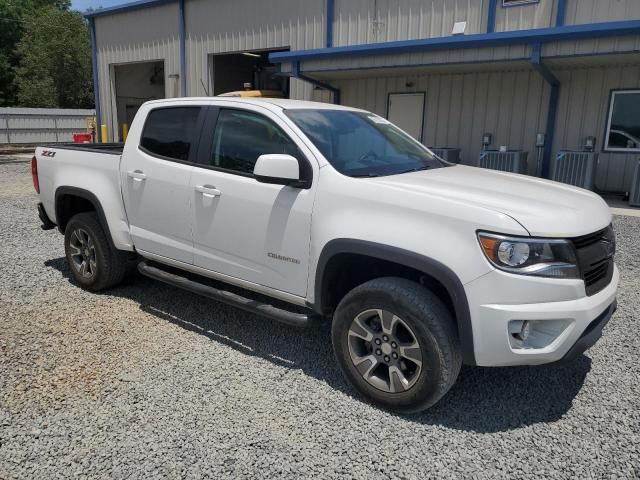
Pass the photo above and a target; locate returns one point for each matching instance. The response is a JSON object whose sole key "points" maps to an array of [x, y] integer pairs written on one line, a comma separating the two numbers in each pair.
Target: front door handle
{"points": [[208, 191], [137, 175]]}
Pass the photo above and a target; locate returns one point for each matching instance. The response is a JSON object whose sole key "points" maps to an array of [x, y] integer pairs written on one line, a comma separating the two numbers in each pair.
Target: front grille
{"points": [[595, 253]]}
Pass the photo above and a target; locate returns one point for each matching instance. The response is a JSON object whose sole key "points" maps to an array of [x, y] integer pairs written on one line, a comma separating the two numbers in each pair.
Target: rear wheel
{"points": [[396, 343], [94, 263]]}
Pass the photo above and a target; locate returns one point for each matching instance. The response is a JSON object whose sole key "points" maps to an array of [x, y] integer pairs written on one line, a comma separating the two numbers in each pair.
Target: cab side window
{"points": [[242, 136], [170, 132]]}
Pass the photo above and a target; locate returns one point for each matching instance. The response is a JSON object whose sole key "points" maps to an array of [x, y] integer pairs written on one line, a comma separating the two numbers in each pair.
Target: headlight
{"points": [[530, 256]]}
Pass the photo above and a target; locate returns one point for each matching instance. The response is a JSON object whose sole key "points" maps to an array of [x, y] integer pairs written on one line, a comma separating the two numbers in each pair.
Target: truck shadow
{"points": [[484, 400]]}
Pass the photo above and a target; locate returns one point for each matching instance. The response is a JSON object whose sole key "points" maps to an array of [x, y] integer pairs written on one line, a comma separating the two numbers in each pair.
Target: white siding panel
{"points": [[595, 11], [226, 26], [593, 47], [584, 105], [526, 16], [370, 21], [135, 36]]}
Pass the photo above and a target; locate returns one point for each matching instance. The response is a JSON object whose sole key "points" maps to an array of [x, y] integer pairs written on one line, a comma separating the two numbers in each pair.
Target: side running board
{"points": [[233, 299]]}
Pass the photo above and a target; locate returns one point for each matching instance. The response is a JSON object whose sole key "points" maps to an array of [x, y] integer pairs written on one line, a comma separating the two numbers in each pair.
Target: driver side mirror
{"points": [[278, 169]]}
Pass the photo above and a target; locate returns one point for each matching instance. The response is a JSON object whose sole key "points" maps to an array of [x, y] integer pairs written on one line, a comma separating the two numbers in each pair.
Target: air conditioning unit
{"points": [[575, 168], [514, 161], [634, 196], [451, 155]]}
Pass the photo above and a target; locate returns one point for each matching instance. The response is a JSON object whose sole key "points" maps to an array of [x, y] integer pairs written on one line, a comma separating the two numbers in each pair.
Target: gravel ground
{"points": [[147, 381]]}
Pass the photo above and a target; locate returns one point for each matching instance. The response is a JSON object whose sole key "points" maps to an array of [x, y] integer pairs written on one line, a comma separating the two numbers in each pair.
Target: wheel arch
{"points": [[64, 211], [429, 267]]}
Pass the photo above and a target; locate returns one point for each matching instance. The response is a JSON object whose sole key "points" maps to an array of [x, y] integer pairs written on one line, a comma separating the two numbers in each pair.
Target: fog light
{"points": [[531, 334], [520, 330]]}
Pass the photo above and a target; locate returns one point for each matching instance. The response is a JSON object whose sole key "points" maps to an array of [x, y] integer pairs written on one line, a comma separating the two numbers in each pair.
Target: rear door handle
{"points": [[137, 175], [208, 191]]}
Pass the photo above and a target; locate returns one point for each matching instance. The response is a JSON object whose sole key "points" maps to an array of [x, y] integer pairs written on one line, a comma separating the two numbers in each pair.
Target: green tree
{"points": [[15, 15], [55, 60], [10, 33]]}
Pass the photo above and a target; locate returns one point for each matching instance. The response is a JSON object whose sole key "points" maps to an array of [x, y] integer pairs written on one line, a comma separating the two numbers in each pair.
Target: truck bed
{"points": [[108, 148]]}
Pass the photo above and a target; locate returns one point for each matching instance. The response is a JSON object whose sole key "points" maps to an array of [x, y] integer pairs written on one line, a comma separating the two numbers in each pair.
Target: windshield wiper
{"points": [[365, 175], [415, 169]]}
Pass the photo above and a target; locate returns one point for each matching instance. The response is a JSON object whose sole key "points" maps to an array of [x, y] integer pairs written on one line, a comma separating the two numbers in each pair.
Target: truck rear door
{"points": [[156, 175]]}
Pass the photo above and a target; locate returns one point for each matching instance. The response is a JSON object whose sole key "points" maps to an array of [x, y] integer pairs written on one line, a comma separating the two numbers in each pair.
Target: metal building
{"points": [[534, 76]]}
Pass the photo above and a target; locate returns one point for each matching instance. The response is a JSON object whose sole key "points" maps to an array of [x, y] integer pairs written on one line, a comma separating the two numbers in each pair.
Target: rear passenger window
{"points": [[169, 132], [242, 136]]}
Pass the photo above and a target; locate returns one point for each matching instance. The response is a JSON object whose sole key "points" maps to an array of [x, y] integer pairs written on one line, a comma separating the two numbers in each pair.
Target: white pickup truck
{"points": [[335, 213]]}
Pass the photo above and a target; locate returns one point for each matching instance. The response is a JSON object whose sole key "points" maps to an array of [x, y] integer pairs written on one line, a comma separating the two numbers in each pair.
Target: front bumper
{"points": [[574, 319]]}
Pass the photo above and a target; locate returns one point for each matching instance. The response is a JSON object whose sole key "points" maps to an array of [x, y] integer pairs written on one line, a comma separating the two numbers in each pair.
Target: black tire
{"points": [[108, 265], [430, 324]]}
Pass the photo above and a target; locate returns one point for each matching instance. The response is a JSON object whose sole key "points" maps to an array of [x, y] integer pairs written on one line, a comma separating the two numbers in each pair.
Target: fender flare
{"points": [[426, 265], [91, 198]]}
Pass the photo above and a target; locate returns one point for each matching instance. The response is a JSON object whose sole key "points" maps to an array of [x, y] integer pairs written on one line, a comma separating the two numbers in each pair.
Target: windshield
{"points": [[360, 144]]}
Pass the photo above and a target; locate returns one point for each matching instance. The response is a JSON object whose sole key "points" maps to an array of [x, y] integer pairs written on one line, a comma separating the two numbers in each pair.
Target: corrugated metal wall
{"points": [[42, 125], [135, 36], [526, 16], [593, 11], [583, 110], [236, 25], [460, 108], [369, 21]]}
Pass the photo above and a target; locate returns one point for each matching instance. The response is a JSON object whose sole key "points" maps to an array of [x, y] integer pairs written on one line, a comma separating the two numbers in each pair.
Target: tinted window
{"points": [[362, 144], [623, 132], [169, 132], [242, 136]]}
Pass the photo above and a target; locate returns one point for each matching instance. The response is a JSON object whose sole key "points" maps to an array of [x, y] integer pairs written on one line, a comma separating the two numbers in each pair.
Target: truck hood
{"points": [[544, 208]]}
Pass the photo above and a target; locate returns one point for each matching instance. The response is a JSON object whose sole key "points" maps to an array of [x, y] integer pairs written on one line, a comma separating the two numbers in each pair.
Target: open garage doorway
{"points": [[250, 70], [136, 83]]}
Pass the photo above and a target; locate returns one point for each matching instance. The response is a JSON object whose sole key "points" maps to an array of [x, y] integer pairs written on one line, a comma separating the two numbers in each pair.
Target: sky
{"points": [[83, 5]]}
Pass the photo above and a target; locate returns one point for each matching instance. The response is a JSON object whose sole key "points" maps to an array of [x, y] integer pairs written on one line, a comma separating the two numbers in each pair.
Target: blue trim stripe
{"points": [[552, 111], [552, 114], [329, 16], [541, 68], [562, 13], [295, 73], [126, 7], [183, 51], [491, 17], [96, 82], [538, 35]]}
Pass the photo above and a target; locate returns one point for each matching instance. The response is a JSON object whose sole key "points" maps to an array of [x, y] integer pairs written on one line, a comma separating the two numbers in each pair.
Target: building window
{"points": [[623, 123], [511, 3]]}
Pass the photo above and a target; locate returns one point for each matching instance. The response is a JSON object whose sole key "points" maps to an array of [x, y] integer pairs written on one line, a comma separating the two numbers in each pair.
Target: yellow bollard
{"points": [[103, 133], [125, 132]]}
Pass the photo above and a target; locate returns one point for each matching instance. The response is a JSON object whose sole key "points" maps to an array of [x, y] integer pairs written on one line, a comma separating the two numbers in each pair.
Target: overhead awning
{"points": [[481, 49]]}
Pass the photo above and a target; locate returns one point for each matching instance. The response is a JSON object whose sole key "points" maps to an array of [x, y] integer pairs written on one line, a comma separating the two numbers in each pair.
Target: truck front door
{"points": [[245, 229]]}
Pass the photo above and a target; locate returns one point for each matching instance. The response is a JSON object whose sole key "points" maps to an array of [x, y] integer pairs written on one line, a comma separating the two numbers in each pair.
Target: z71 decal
{"points": [[48, 153]]}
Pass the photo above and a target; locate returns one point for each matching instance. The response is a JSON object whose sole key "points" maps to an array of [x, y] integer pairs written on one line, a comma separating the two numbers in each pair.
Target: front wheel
{"points": [[395, 341], [94, 263]]}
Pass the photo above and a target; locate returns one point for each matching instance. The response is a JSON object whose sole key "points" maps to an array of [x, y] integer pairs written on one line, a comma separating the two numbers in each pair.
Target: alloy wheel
{"points": [[83, 253], [385, 350]]}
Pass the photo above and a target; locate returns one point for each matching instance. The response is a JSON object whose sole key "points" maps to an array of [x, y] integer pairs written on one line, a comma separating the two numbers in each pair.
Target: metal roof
{"points": [[126, 7]]}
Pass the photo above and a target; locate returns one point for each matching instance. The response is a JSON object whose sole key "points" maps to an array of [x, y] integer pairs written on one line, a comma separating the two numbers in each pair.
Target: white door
{"points": [[406, 110], [242, 228], [156, 186]]}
